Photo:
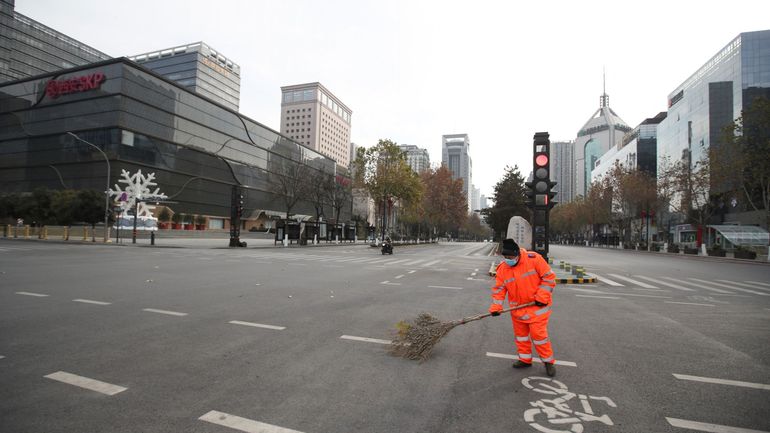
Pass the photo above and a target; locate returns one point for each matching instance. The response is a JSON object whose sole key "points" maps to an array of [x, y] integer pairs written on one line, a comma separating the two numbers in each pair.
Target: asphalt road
{"points": [[98, 338]]}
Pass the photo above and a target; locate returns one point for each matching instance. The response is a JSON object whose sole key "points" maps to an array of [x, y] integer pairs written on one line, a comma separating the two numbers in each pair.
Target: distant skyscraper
{"points": [[199, 68], [638, 150], [416, 157], [602, 131], [28, 48], [483, 202], [313, 116], [475, 198], [455, 154], [563, 170]]}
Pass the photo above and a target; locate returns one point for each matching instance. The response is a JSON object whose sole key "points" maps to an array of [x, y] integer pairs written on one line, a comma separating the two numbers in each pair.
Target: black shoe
{"points": [[521, 364], [550, 369]]}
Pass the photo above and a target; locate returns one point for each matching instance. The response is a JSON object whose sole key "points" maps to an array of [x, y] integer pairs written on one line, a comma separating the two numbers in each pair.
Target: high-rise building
{"points": [[416, 157], [199, 68], [483, 202], [602, 131], [475, 198], [313, 116], [712, 98], [456, 156], [637, 150], [28, 48], [563, 170]]}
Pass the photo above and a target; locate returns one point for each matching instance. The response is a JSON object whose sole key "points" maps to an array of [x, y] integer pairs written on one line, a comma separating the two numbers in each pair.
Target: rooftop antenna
{"points": [[604, 100]]}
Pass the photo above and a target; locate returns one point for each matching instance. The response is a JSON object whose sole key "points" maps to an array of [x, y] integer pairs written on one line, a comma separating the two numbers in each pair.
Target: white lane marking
{"points": [[446, 287], [399, 276], [430, 263], [688, 303], [475, 279], [414, 262], [514, 357], [39, 295], [84, 382], [641, 296], [257, 325], [673, 286], [88, 301], [723, 381], [750, 286], [600, 297], [411, 272], [242, 424], [701, 286], [732, 287], [473, 274], [632, 281], [368, 340], [170, 313], [708, 427], [1, 356], [757, 282], [387, 282], [582, 290], [607, 280], [397, 261]]}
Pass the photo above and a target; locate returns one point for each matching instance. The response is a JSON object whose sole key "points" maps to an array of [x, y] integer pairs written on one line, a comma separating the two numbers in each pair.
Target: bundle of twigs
{"points": [[415, 340]]}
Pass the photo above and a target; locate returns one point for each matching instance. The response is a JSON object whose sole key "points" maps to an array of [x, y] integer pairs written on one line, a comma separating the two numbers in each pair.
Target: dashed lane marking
{"points": [[446, 287], [38, 295], [732, 287], [399, 276], [84, 382], [595, 296], [170, 313], [688, 303], [632, 281], [257, 325], [242, 424], [708, 427], [365, 339], [757, 282], [411, 272], [723, 381], [1, 356], [673, 286], [88, 301], [607, 280], [515, 357], [387, 282]]}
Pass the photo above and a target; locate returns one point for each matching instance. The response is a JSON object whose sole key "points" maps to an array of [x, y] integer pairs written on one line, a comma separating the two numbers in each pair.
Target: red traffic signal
{"points": [[541, 160]]}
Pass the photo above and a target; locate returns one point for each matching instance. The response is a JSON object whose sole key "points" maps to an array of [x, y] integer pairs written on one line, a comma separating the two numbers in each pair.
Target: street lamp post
{"points": [[106, 191]]}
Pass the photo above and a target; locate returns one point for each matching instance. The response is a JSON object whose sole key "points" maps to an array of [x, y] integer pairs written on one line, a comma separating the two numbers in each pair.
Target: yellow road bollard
{"points": [[85, 233], [26, 232], [65, 234], [45, 232]]}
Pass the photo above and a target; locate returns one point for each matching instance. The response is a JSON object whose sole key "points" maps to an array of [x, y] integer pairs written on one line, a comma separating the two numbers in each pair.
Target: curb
{"points": [[586, 280]]}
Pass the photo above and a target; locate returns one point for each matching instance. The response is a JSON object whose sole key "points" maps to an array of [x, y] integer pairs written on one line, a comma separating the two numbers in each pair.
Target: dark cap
{"points": [[510, 248]]}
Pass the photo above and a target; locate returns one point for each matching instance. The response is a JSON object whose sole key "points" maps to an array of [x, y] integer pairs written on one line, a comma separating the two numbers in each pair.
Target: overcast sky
{"points": [[414, 70]]}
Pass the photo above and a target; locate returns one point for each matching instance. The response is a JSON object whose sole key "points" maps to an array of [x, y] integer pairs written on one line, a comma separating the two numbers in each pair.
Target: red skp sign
{"points": [[56, 88]]}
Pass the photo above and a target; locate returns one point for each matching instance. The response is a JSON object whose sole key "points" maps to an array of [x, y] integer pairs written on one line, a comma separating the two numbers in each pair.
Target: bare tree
{"points": [[291, 183]]}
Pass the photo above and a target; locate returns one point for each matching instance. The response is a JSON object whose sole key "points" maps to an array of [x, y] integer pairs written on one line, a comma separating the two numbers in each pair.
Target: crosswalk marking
{"points": [[708, 427], [730, 287], [594, 296], [757, 282], [686, 289], [607, 280], [243, 424], [84, 382], [700, 286], [632, 281], [430, 263], [688, 303], [750, 286]]}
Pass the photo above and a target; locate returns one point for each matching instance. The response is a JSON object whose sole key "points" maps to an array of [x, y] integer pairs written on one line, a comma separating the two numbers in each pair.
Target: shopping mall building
{"points": [[197, 148]]}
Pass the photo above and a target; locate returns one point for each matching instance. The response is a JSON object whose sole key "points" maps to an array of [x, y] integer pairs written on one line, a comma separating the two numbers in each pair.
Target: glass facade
{"points": [[197, 149], [28, 48]]}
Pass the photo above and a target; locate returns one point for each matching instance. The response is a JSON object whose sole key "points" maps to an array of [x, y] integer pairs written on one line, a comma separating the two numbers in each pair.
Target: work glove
{"points": [[540, 304], [495, 309]]}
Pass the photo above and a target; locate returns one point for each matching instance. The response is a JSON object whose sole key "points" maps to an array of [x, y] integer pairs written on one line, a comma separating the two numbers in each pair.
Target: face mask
{"points": [[511, 262]]}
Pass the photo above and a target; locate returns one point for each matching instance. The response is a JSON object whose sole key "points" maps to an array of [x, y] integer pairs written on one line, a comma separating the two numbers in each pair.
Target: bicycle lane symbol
{"points": [[557, 411]]}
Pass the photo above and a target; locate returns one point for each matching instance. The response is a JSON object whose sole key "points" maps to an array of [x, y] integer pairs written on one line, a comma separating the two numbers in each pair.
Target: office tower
{"points": [[455, 155], [416, 157], [313, 116], [563, 170], [637, 150], [28, 48], [199, 68]]}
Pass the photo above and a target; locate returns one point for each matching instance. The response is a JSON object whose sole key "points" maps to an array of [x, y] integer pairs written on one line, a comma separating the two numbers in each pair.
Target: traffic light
{"points": [[540, 192]]}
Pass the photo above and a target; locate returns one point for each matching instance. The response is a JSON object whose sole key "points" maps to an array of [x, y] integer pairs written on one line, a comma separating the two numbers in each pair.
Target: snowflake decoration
{"points": [[137, 187]]}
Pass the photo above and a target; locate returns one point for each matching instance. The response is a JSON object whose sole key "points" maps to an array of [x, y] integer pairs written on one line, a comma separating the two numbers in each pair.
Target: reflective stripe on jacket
{"points": [[530, 280]]}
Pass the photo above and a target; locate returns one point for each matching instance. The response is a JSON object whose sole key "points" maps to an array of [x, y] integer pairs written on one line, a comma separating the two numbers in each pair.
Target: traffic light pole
{"points": [[236, 209], [540, 193]]}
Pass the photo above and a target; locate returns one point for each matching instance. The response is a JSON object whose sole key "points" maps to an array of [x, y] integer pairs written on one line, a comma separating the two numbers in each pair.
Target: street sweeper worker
{"points": [[524, 276]]}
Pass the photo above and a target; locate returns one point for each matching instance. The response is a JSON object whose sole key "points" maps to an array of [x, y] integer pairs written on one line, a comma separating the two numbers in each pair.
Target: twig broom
{"points": [[417, 339]]}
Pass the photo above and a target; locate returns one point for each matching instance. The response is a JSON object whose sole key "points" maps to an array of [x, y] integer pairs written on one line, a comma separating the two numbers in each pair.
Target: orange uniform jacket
{"points": [[530, 280]]}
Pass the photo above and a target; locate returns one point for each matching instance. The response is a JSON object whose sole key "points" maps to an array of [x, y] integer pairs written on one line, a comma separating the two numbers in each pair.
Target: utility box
{"points": [[520, 231]]}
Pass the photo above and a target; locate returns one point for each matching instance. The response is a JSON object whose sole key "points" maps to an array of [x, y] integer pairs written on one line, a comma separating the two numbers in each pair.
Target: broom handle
{"points": [[465, 320]]}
